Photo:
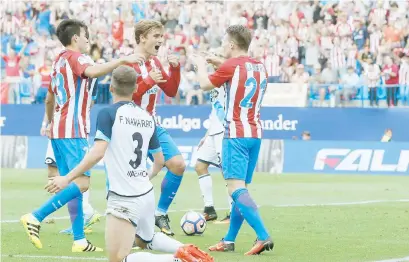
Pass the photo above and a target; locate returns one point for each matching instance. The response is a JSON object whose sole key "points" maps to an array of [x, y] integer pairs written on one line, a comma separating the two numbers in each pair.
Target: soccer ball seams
{"points": [[193, 223]]}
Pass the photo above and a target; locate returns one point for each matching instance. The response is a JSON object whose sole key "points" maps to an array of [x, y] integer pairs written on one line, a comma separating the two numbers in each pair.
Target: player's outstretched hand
{"points": [[56, 184], [214, 59], [173, 60], [134, 59], [157, 76]]}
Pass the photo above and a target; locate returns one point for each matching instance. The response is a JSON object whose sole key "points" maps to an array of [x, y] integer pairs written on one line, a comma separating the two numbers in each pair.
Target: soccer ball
{"points": [[193, 223]]}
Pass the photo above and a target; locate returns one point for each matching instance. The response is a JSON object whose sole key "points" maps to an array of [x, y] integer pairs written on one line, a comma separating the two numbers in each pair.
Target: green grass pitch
{"points": [[310, 217]]}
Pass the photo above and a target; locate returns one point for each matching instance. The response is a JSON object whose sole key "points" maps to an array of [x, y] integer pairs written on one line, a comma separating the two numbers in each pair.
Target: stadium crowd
{"points": [[339, 50]]}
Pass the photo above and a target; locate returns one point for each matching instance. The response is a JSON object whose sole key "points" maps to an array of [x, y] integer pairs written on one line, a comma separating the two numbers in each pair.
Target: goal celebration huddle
{"points": [[128, 133]]}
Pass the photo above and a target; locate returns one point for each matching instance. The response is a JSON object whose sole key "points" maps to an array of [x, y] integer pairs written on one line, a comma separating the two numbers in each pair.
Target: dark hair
{"points": [[68, 28], [240, 35]]}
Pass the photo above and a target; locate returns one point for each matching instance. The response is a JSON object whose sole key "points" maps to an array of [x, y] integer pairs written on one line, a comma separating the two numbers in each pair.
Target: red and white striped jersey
{"points": [[70, 87], [145, 96], [272, 64], [246, 83], [337, 57]]}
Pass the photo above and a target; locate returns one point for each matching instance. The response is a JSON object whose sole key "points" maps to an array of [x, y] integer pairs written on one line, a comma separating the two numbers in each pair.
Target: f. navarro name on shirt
{"points": [[135, 121]]}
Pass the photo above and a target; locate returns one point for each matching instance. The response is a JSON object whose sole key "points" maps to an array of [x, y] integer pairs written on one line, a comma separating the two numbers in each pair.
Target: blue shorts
{"points": [[167, 144], [239, 158], [69, 152]]}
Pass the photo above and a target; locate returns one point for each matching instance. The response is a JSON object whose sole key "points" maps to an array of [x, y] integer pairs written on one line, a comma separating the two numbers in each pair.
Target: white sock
{"points": [[82, 242], [229, 199], [163, 243], [149, 257], [206, 186], [86, 206]]}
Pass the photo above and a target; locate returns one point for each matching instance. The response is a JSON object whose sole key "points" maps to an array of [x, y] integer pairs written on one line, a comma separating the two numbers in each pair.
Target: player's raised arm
{"points": [[168, 83], [170, 87], [98, 70], [73, 35], [207, 82]]}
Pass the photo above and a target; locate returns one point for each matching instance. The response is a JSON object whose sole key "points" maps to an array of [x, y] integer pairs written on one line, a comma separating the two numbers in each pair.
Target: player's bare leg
{"points": [[206, 188], [52, 171], [176, 167]]}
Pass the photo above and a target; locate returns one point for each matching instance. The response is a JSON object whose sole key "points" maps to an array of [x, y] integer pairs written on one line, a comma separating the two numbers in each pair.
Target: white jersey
{"points": [[131, 132], [217, 98]]}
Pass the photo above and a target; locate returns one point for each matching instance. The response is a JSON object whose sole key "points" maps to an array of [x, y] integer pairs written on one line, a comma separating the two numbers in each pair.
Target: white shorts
{"points": [[49, 156], [140, 211], [211, 150]]}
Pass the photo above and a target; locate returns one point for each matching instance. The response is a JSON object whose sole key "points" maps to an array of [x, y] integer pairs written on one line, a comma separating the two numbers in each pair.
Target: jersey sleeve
{"points": [[104, 125], [223, 74], [154, 145], [79, 63], [170, 87]]}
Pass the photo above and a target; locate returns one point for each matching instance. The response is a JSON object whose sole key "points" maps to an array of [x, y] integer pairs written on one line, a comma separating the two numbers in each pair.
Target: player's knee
{"points": [[234, 184], [82, 183], [176, 165], [201, 168], [118, 255]]}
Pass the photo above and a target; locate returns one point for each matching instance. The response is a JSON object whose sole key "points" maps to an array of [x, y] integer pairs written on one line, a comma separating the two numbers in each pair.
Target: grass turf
{"points": [[310, 217]]}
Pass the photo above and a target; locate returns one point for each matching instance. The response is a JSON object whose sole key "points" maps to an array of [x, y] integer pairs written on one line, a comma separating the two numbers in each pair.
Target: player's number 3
{"points": [[57, 83], [251, 84], [137, 137]]}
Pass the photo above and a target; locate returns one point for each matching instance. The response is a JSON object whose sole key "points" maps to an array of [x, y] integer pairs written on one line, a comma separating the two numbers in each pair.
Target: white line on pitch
{"points": [[283, 205], [56, 257], [395, 259]]}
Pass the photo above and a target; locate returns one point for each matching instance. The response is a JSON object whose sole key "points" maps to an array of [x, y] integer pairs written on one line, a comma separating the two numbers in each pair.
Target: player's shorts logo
{"points": [[122, 210]]}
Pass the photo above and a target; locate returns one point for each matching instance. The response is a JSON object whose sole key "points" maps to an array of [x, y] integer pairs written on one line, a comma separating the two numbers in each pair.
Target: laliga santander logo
{"points": [[359, 160], [179, 122]]}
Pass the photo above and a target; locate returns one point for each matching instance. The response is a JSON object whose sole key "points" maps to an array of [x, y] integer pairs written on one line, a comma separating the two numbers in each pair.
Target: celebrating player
{"points": [[246, 81], [68, 132], [209, 153], [91, 216], [125, 133], [149, 38]]}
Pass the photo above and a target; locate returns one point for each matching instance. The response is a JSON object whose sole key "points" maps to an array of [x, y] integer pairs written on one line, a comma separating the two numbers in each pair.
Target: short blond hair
{"points": [[123, 80], [143, 27]]}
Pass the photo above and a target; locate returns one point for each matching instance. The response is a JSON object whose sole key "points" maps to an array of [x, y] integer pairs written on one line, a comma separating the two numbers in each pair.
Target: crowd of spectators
{"points": [[340, 50]]}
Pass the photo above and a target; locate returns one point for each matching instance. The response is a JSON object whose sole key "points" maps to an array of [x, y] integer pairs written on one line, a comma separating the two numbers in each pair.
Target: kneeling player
{"points": [[209, 153], [125, 133]]}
